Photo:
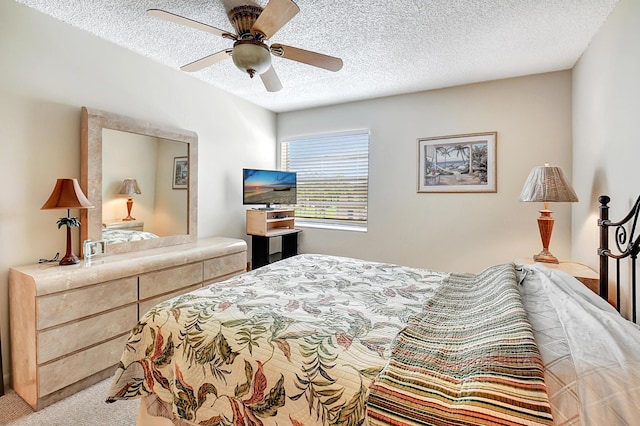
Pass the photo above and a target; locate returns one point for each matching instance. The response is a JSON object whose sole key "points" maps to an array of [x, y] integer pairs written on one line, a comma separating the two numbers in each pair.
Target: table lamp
{"points": [[67, 195], [129, 187], [547, 184]]}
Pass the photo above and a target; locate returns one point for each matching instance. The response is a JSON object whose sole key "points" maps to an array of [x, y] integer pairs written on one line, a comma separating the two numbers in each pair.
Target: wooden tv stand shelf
{"points": [[263, 225], [69, 324], [270, 223]]}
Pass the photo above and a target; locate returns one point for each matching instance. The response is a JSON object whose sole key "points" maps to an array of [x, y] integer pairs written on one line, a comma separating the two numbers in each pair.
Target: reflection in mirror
{"points": [[115, 148], [158, 208]]}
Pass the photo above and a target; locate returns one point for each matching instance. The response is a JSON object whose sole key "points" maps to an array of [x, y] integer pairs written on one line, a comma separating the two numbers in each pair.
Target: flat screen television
{"points": [[268, 187]]}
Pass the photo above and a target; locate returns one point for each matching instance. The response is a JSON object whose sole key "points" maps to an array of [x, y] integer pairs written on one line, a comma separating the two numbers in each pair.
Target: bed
{"points": [[316, 339]]}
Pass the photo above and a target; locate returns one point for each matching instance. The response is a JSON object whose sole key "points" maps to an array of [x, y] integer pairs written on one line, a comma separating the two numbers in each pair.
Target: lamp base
{"points": [[545, 225], [69, 260], [545, 256], [129, 207]]}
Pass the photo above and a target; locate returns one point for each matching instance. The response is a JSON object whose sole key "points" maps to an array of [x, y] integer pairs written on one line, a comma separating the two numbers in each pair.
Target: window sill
{"points": [[302, 223]]}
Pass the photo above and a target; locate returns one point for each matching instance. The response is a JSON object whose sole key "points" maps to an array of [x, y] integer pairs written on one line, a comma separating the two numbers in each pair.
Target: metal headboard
{"points": [[627, 245]]}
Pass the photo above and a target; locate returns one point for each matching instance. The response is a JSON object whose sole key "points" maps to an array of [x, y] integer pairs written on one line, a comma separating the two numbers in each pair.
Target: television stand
{"points": [[260, 253], [263, 225]]}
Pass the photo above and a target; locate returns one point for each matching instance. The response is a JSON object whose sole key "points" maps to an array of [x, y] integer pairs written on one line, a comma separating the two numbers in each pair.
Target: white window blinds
{"points": [[332, 177]]}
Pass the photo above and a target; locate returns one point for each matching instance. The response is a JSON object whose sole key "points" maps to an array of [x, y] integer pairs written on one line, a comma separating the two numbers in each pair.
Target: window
{"points": [[332, 178]]}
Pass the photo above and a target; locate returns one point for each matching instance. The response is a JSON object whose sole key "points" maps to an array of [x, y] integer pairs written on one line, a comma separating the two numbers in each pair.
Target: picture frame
{"points": [[458, 163], [92, 249], [180, 173]]}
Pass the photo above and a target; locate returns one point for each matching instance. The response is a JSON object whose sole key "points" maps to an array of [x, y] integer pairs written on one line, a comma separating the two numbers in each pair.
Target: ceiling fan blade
{"points": [[270, 80], [274, 16], [207, 61], [167, 16], [307, 57]]}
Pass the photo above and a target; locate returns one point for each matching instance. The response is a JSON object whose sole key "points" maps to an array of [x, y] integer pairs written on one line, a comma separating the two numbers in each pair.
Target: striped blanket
{"points": [[469, 358]]}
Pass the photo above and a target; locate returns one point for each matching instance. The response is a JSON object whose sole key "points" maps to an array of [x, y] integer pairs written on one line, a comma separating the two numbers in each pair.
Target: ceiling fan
{"points": [[253, 26]]}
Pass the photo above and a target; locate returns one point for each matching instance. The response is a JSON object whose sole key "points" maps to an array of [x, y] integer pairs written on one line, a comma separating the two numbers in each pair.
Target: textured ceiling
{"points": [[388, 47]]}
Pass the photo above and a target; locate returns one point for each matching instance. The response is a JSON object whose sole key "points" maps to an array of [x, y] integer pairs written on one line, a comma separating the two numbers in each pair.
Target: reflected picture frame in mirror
{"points": [[93, 122]]}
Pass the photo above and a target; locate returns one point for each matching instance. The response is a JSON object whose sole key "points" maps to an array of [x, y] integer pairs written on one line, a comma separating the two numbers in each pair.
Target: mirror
{"points": [[139, 168], [162, 159]]}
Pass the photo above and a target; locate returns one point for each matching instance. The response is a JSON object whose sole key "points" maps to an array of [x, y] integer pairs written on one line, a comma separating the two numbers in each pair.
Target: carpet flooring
{"points": [[86, 407]]}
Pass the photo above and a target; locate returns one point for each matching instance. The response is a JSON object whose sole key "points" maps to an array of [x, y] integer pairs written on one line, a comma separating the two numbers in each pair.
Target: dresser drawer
{"points": [[67, 306], [168, 280], [68, 370], [145, 305], [221, 266], [69, 338]]}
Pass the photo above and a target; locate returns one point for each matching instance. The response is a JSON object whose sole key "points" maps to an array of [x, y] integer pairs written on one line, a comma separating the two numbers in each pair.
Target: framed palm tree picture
{"points": [[458, 163], [180, 173]]}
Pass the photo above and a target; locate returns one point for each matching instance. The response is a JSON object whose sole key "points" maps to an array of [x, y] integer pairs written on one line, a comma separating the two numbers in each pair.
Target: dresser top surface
{"points": [[51, 278]]}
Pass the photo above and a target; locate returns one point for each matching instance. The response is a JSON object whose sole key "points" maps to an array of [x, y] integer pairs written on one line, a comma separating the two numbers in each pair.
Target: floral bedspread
{"points": [[295, 342]]}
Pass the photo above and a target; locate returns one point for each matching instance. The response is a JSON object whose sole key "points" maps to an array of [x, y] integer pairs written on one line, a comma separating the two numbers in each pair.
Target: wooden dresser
{"points": [[69, 323]]}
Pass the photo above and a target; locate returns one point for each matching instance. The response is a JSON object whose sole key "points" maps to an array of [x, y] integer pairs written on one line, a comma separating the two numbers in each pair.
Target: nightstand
{"points": [[128, 225], [582, 273]]}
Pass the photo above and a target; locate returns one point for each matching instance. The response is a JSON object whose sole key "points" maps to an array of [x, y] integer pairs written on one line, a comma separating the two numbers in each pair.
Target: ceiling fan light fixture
{"points": [[251, 56]]}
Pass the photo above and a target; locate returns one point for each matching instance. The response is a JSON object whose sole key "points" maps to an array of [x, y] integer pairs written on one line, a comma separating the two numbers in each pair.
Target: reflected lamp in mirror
{"points": [[129, 187], [547, 184], [67, 195]]}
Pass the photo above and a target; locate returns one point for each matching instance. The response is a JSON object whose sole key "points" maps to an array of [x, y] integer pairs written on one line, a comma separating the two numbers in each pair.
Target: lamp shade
{"points": [[129, 187], [67, 195], [547, 184]]}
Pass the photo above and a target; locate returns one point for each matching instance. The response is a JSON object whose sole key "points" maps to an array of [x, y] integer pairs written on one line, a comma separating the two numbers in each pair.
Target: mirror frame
{"points": [[93, 122]]}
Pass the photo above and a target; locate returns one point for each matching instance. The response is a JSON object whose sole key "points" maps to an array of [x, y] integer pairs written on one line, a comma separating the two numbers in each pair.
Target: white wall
{"points": [[49, 71], [606, 126], [451, 232]]}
